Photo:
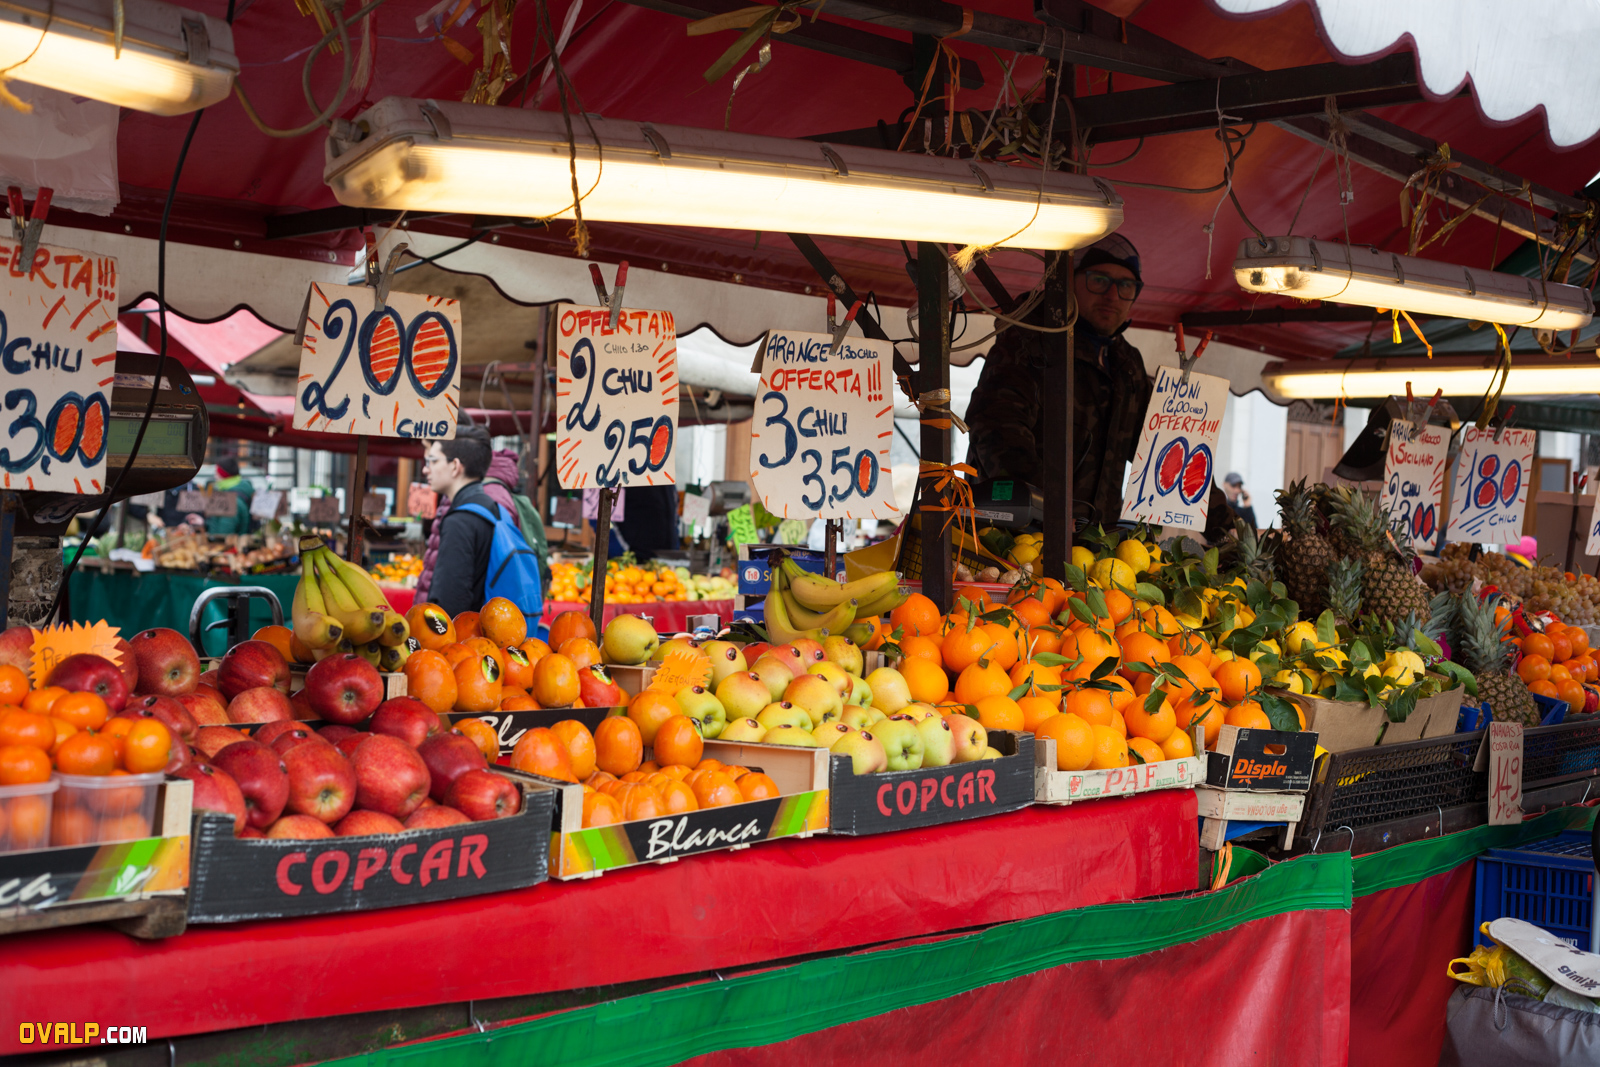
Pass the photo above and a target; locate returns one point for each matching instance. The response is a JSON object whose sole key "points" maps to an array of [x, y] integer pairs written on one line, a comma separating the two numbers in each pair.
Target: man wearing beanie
{"points": [[1111, 391]]}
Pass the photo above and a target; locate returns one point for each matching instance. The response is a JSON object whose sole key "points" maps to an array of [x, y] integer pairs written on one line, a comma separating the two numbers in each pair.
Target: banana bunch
{"points": [[802, 604], [339, 608]]}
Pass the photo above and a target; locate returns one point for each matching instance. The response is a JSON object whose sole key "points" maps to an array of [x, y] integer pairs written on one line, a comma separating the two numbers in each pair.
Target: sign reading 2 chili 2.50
{"points": [[616, 397]]}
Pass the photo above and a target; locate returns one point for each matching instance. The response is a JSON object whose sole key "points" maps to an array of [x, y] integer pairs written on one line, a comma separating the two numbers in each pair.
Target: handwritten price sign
{"points": [[1490, 491], [616, 397], [391, 372], [822, 426], [1593, 547], [1170, 482], [1413, 480], [1505, 774], [58, 344]]}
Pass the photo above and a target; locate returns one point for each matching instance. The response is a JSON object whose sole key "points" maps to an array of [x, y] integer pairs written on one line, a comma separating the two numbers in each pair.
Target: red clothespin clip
{"points": [[1498, 430], [1186, 363], [833, 305], [1580, 482], [843, 328], [26, 230], [613, 300], [380, 278]]}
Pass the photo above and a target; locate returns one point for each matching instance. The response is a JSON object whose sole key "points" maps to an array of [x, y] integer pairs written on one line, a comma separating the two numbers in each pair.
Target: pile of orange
{"points": [[1558, 664], [619, 784], [625, 584]]}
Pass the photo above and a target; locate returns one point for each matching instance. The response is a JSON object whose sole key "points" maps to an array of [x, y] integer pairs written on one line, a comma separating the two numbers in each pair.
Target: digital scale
{"points": [[1004, 502]]}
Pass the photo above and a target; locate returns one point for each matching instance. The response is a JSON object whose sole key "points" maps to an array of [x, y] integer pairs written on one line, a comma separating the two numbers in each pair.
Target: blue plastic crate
{"points": [[1549, 883], [1551, 710], [1472, 718], [1551, 713]]}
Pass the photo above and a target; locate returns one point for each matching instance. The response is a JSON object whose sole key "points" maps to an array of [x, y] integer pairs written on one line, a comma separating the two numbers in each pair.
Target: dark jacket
{"points": [[651, 525], [504, 463], [462, 564]]}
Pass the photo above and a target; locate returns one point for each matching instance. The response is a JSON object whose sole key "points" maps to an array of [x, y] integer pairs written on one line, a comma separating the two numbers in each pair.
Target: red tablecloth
{"points": [[722, 909], [671, 616], [400, 599]]}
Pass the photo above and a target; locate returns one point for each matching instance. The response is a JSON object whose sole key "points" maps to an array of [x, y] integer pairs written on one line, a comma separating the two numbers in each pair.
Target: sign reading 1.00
{"points": [[1169, 483], [823, 423], [393, 372], [616, 397]]}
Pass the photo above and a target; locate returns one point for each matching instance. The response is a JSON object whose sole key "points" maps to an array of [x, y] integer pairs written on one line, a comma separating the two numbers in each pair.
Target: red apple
{"points": [[178, 756], [250, 831], [170, 711], [250, 664], [334, 734], [269, 733], [129, 665], [300, 707], [16, 648], [298, 827], [261, 704], [597, 690], [321, 783], [206, 708], [407, 718], [215, 790], [344, 689], [166, 662], [348, 745], [294, 739], [390, 776], [261, 776], [448, 757], [362, 822], [205, 686], [481, 795], [210, 678], [434, 817], [88, 673], [210, 740]]}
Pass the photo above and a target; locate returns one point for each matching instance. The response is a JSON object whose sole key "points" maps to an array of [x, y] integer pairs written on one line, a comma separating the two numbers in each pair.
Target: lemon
{"points": [[1112, 572], [1135, 555], [1082, 557], [1024, 553], [1298, 635], [1334, 656], [1293, 681], [1222, 655], [1188, 620]]}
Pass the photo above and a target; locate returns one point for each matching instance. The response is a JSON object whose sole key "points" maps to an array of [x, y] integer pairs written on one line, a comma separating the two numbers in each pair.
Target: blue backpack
{"points": [[513, 566]]}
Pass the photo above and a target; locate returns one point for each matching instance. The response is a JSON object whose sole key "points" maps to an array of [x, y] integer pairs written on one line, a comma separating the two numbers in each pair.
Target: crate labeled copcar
{"points": [[1549, 883], [933, 796]]}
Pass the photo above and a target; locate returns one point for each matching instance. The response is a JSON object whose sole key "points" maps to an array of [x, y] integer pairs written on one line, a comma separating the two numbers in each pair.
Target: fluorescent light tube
{"points": [[417, 155], [1530, 376], [172, 62], [1309, 269]]}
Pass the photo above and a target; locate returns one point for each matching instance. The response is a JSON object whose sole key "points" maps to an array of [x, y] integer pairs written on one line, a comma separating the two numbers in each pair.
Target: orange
{"points": [[1155, 726], [1247, 714], [581, 651], [1036, 675], [502, 622], [431, 679], [1144, 750], [1043, 639], [482, 734], [1559, 674], [1572, 692], [1533, 667], [1036, 710], [979, 681], [147, 748], [757, 786], [618, 745], [1093, 706], [1000, 713], [1177, 746], [1208, 714], [1123, 695], [1095, 646], [926, 680], [86, 753], [1031, 612], [715, 789], [1543, 687], [42, 700], [1579, 639], [1119, 604], [1074, 740], [539, 751], [478, 684], [1237, 678], [1119, 724], [13, 685], [1005, 645], [976, 594], [555, 681], [23, 765], [918, 647], [1191, 643], [64, 730], [579, 743], [918, 616], [280, 638], [651, 708], [519, 669], [86, 711], [18, 727], [570, 624], [962, 648], [600, 810], [430, 626], [678, 741], [1538, 645], [466, 625], [1110, 749]]}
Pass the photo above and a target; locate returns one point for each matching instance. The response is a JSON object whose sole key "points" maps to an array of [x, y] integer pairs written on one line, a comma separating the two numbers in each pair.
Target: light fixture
{"points": [[171, 61], [1472, 376], [417, 155], [1308, 269]]}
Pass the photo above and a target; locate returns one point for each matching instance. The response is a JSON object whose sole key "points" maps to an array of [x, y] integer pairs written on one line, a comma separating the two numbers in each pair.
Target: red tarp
{"points": [[722, 909]]}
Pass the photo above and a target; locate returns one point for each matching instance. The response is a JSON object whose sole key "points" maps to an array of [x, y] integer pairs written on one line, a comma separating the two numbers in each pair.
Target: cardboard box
{"points": [[933, 796], [235, 879], [1262, 761], [1053, 786], [1218, 807], [1344, 725]]}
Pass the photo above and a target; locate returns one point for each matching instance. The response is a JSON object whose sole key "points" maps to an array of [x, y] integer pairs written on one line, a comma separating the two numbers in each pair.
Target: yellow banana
{"points": [[395, 629], [393, 657], [835, 621], [360, 624], [312, 625], [372, 652], [891, 599], [780, 630], [361, 585], [818, 593]]}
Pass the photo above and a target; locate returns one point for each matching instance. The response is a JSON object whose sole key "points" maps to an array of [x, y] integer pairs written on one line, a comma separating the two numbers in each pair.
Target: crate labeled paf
{"points": [[799, 810], [1263, 761], [1055, 786], [933, 796], [235, 879]]}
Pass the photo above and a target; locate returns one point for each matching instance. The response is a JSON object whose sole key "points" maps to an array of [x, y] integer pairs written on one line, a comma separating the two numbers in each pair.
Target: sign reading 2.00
{"points": [[823, 422], [616, 397], [393, 371]]}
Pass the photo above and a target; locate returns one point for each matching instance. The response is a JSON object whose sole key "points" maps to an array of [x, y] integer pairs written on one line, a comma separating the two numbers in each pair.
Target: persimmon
{"points": [[601, 810], [481, 734], [555, 681], [677, 740], [477, 684], [430, 677], [466, 625], [676, 797], [582, 651], [485, 647], [539, 751], [519, 668], [579, 743], [570, 624], [715, 789], [757, 786], [431, 627], [535, 650], [502, 622], [618, 745]]}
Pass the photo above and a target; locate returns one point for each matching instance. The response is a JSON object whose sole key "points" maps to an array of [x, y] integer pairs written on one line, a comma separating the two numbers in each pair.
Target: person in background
{"points": [[456, 560], [168, 514], [651, 525], [1238, 499], [229, 481]]}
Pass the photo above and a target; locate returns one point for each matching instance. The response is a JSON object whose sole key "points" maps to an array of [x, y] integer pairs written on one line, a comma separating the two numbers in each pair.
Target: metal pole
{"points": [[8, 546], [602, 549], [1058, 455], [933, 373], [358, 492]]}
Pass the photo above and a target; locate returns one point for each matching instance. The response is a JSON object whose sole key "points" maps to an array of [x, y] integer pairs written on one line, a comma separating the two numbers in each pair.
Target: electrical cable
{"points": [[341, 30], [480, 235]]}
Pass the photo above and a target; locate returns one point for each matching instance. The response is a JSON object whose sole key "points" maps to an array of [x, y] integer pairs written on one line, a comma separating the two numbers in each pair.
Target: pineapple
{"points": [[1479, 644], [1304, 555], [1251, 552], [1344, 589], [1389, 589]]}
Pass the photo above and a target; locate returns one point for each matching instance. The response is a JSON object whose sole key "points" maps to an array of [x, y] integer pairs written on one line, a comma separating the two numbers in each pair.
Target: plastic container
{"points": [[25, 815], [90, 809], [1549, 883]]}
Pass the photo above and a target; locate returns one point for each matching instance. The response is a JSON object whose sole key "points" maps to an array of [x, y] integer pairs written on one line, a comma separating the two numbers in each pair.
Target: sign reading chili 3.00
{"points": [[58, 344], [823, 422], [616, 397]]}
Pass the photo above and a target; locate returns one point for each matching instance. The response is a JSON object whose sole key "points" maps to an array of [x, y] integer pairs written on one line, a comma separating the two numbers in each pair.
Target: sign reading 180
{"points": [[616, 397]]}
